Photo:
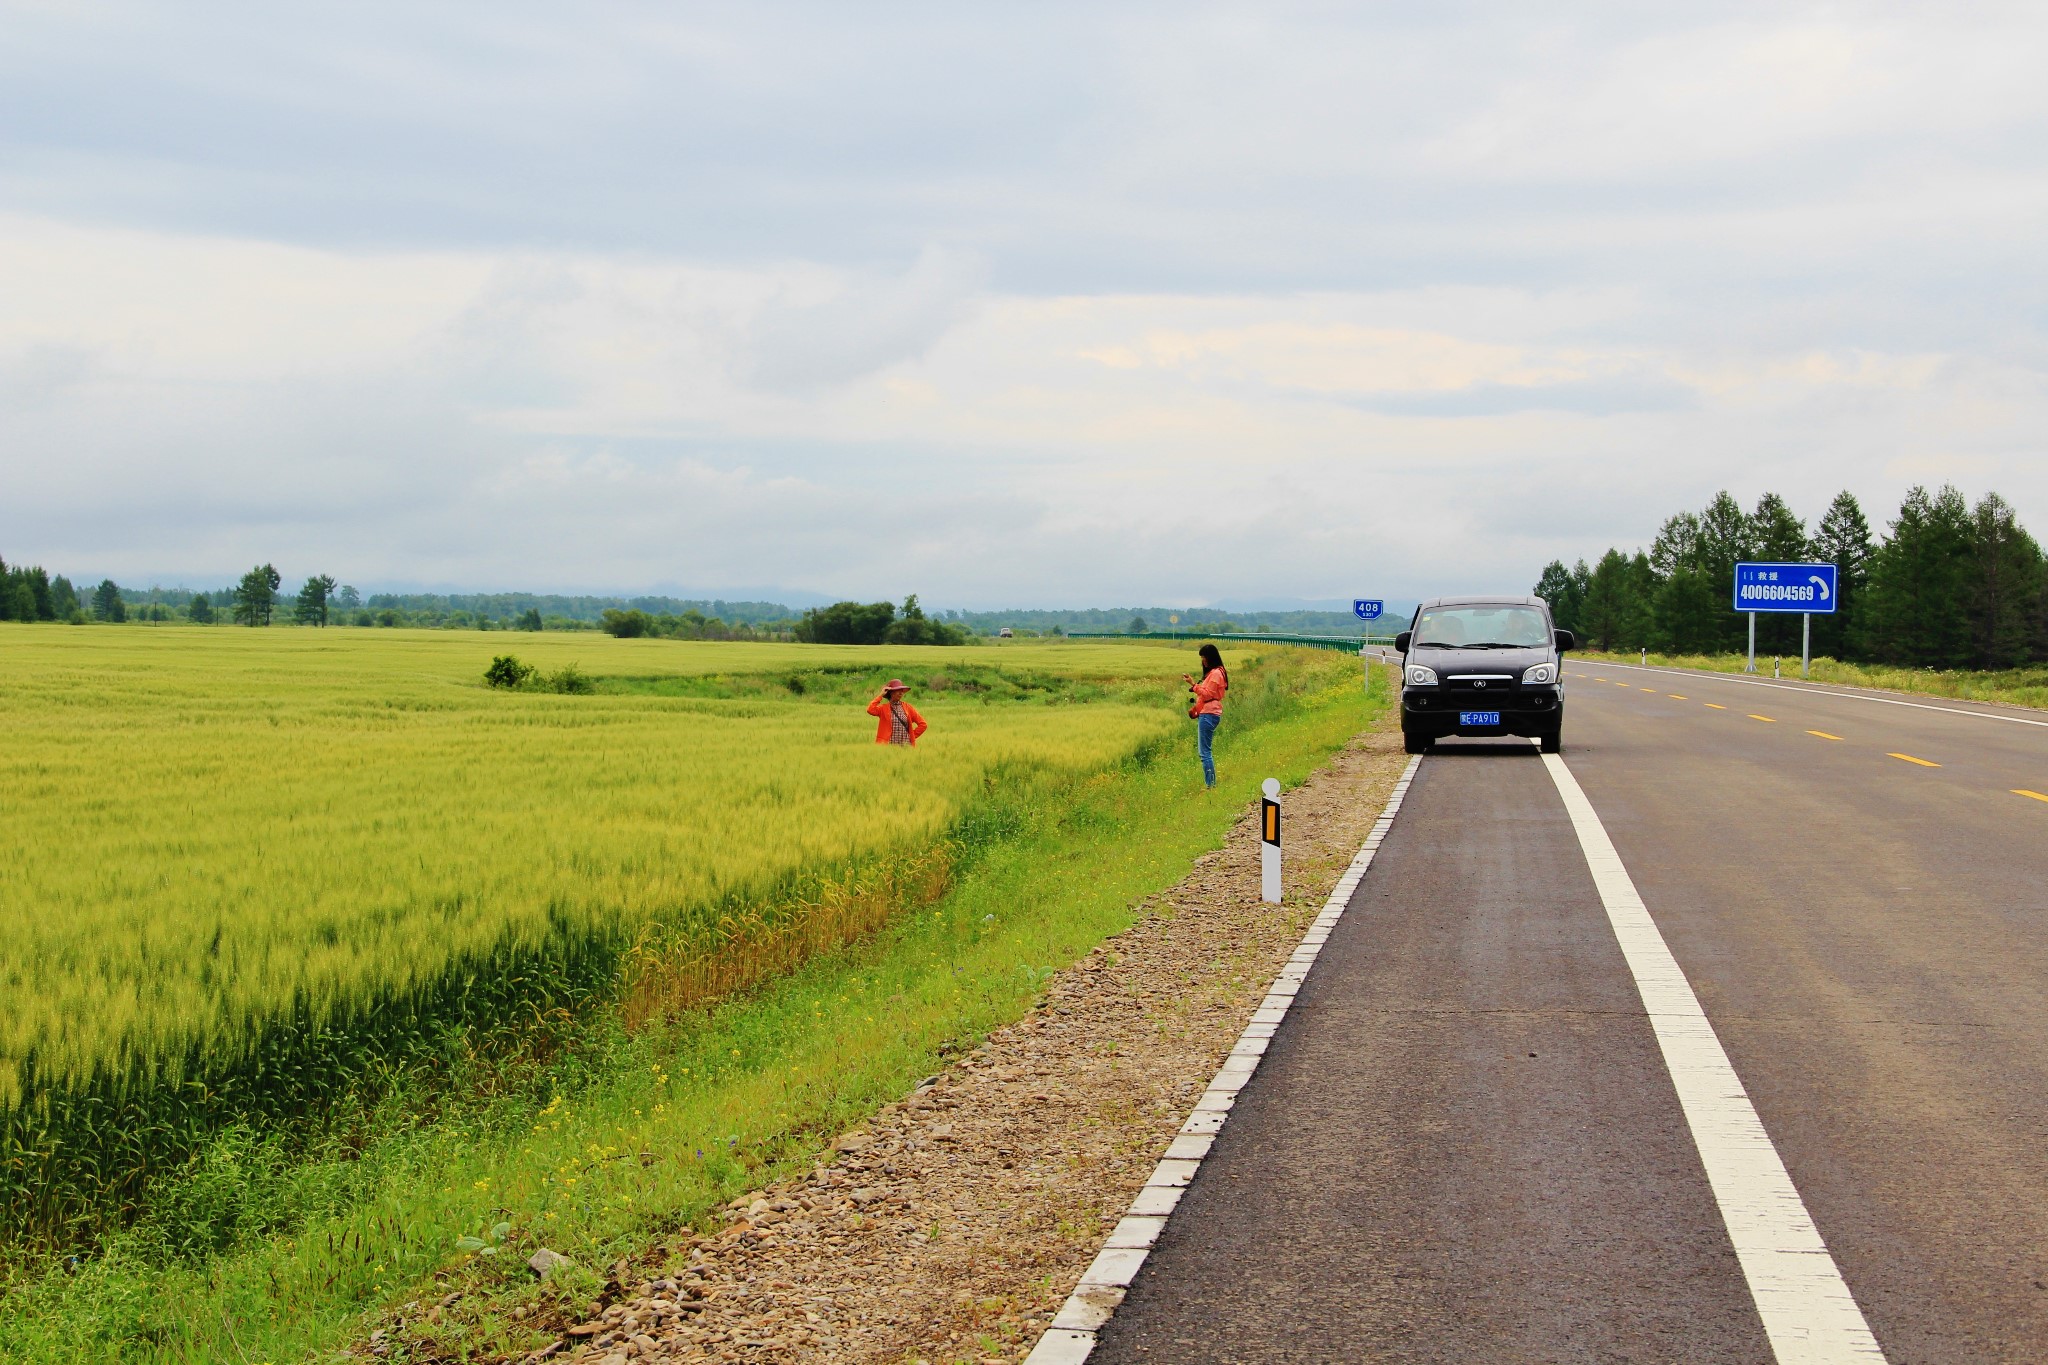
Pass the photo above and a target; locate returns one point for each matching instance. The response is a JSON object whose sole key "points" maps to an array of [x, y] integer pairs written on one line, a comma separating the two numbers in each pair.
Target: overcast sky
{"points": [[1037, 304]]}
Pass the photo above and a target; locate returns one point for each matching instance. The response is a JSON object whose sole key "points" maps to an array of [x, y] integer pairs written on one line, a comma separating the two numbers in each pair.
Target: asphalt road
{"points": [[1464, 1143]]}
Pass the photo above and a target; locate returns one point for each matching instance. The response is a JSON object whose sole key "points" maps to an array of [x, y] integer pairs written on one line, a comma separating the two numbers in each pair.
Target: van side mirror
{"points": [[1403, 640], [1565, 640]]}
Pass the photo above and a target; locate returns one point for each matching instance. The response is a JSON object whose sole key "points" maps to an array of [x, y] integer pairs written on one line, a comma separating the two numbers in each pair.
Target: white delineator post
{"points": [[1269, 842]]}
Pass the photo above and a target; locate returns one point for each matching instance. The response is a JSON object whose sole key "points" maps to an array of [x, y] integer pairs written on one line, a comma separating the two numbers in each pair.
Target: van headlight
{"points": [[1539, 673], [1418, 676]]}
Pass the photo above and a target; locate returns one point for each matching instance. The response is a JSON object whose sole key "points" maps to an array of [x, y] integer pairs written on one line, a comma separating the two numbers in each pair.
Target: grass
{"points": [[2014, 687], [631, 1132]]}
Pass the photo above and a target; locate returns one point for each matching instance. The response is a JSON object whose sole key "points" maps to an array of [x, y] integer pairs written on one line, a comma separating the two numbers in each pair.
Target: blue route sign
{"points": [[1785, 587], [1367, 608]]}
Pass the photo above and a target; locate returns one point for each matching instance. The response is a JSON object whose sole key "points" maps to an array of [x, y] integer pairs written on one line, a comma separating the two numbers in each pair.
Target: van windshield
{"points": [[1482, 627]]}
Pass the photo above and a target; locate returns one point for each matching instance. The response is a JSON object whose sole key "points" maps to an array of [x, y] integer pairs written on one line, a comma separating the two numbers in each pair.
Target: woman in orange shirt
{"points": [[899, 721], [1207, 709]]}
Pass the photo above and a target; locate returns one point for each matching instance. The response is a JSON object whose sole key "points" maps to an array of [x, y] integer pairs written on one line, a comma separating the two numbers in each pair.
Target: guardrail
{"points": [[1348, 643]]}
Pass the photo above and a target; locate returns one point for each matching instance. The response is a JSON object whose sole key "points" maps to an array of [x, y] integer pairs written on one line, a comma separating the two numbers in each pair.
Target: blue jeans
{"points": [[1205, 735]]}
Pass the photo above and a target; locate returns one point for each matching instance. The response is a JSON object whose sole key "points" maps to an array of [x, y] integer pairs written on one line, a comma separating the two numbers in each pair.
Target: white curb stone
{"points": [[1095, 1300]]}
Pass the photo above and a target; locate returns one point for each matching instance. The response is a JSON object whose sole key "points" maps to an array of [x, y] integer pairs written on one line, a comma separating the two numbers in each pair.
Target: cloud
{"points": [[863, 324], [1060, 304]]}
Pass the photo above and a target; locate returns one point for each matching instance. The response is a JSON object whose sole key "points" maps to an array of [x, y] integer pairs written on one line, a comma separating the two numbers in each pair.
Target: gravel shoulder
{"points": [[954, 1224]]}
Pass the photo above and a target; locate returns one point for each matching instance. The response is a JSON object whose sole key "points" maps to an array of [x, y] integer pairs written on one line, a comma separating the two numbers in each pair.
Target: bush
{"points": [[570, 679], [627, 625], [506, 671]]}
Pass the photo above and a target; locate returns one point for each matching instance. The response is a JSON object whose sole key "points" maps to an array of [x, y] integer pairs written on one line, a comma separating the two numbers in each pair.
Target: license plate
{"points": [[1479, 718]]}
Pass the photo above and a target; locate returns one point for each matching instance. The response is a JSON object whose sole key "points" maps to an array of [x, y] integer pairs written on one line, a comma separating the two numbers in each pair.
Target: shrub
{"points": [[627, 625], [569, 679], [506, 671]]}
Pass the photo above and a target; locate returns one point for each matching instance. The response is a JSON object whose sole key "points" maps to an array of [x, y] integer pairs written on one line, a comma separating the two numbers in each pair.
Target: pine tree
{"points": [[1724, 542], [107, 603], [1562, 589], [311, 607], [200, 609], [256, 595], [1917, 608], [49, 597], [1843, 539], [1615, 614], [2005, 599], [1682, 601]]}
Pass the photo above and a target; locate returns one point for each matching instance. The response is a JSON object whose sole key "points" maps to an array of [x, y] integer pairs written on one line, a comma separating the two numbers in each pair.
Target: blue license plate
{"points": [[1479, 718]]}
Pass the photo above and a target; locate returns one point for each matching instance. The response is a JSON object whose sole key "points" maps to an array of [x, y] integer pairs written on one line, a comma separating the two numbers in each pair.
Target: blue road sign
{"points": [[1785, 587], [1367, 608]]}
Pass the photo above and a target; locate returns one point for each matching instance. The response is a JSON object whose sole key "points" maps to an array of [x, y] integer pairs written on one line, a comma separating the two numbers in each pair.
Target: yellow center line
{"points": [[1676, 697], [1649, 689], [1908, 758], [2022, 791], [1823, 734], [1599, 680], [1716, 705], [1754, 716]]}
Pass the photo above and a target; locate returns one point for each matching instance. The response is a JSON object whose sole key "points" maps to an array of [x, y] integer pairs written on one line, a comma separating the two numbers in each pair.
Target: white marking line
{"points": [[1819, 691], [1071, 1337], [1807, 1310]]}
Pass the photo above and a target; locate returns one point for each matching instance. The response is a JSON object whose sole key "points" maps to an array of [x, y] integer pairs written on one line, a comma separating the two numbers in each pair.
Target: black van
{"points": [[1482, 666]]}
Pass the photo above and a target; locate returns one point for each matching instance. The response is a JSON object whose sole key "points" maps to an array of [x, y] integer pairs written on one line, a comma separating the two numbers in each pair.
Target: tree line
{"points": [[29, 593], [1947, 585], [876, 623]]}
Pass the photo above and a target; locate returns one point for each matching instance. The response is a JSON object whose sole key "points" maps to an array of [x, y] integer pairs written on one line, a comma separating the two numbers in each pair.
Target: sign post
{"points": [[1367, 609], [1269, 842], [1782, 588]]}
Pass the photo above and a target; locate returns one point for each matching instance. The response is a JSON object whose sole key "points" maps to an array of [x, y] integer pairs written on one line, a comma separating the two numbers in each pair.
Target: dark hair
{"points": [[1212, 659]]}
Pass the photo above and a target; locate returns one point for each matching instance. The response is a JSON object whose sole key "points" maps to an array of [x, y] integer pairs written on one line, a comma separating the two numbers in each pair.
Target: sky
{"points": [[1035, 305]]}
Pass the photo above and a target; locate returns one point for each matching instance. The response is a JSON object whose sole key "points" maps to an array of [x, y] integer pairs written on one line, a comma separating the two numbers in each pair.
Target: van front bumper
{"points": [[1432, 712]]}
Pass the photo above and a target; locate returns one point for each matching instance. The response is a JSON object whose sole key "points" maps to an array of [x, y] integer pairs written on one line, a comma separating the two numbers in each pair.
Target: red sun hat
{"points": [[895, 685]]}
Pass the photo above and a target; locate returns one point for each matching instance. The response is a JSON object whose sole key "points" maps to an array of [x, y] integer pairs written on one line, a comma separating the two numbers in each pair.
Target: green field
{"points": [[246, 867], [398, 962]]}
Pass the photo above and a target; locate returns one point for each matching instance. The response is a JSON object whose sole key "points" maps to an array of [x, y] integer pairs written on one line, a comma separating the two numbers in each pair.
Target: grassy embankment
{"points": [[624, 1131], [2015, 687]]}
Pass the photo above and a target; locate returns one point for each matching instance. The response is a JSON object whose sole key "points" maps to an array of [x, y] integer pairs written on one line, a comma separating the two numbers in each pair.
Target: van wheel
{"points": [[1553, 743], [1414, 743]]}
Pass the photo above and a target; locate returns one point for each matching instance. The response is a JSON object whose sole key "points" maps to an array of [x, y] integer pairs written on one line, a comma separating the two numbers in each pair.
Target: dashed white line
{"points": [[1807, 1310], [1071, 1338]]}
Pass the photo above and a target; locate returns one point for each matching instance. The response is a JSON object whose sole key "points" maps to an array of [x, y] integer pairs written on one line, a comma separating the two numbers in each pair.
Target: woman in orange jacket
{"points": [[899, 721], [1207, 709]]}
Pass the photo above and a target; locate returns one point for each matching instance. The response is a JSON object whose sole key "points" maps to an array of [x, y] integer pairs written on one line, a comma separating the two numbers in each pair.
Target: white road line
{"points": [[1071, 1338], [1816, 691], [1807, 1310]]}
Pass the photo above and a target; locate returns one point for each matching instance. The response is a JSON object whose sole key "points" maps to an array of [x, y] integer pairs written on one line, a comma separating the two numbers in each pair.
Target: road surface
{"points": [[1466, 1141]]}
